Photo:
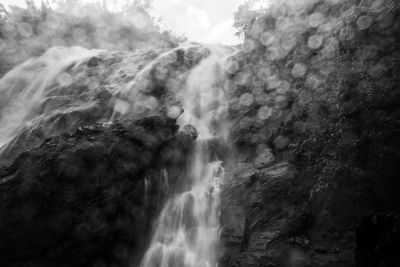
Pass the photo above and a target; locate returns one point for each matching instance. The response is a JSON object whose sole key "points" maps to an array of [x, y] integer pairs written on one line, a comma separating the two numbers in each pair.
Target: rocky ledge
{"points": [[89, 198]]}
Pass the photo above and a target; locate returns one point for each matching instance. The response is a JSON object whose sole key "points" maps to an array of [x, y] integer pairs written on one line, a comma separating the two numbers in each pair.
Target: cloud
{"points": [[194, 23], [224, 32], [177, 2], [207, 21], [197, 17]]}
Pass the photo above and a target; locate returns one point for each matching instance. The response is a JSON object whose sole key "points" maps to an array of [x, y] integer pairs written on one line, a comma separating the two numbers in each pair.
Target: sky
{"points": [[206, 21]]}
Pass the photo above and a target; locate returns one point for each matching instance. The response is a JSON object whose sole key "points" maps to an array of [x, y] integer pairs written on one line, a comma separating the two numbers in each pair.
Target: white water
{"points": [[188, 229], [28, 85]]}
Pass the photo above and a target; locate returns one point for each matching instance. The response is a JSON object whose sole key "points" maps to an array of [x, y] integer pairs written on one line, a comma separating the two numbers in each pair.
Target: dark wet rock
{"points": [[258, 204], [189, 130], [265, 158], [89, 196], [377, 238], [330, 112]]}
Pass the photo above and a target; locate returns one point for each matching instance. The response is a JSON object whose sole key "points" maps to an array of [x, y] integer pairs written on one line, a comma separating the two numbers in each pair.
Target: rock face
{"points": [[318, 84], [88, 198], [261, 208], [71, 87], [275, 214]]}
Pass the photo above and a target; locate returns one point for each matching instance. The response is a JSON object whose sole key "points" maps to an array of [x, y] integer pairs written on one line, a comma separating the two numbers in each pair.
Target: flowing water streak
{"points": [[25, 87], [188, 228]]}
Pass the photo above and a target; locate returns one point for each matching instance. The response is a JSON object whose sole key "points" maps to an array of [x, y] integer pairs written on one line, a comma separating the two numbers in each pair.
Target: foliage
{"points": [[246, 14], [28, 32]]}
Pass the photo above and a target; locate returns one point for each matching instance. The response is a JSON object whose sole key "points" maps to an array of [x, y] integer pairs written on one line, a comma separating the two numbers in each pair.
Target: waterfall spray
{"points": [[30, 84], [187, 231]]}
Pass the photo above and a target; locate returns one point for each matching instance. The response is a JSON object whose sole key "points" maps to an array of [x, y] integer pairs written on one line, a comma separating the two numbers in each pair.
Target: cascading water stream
{"points": [[30, 84], [57, 93], [187, 231]]}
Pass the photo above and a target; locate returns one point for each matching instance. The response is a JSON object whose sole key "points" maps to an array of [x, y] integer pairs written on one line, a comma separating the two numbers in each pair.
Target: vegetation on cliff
{"points": [[318, 82], [29, 32]]}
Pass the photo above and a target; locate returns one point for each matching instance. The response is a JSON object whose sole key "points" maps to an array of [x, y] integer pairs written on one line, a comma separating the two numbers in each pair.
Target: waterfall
{"points": [[28, 86], [61, 90], [188, 228]]}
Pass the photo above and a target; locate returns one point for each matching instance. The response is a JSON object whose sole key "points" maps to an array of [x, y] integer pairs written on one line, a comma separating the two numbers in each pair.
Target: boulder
{"points": [[88, 198], [259, 202]]}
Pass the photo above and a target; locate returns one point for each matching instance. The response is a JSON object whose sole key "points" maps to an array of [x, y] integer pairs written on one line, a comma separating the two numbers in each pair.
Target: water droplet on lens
{"points": [[121, 106], [264, 112], [232, 67], [315, 20], [283, 23], [281, 142], [299, 127], [304, 98], [315, 41], [267, 38], [313, 81], [139, 108], [246, 122], [151, 103], [367, 52], [256, 30], [299, 70], [246, 99], [248, 46], [288, 43], [25, 29], [364, 22], [79, 34], [330, 47], [281, 102], [385, 20], [376, 71], [283, 88], [264, 73], [64, 79], [174, 112], [273, 82], [262, 99]]}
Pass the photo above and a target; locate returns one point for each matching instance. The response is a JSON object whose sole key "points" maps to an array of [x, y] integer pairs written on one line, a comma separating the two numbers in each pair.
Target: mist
{"points": [[125, 143]]}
